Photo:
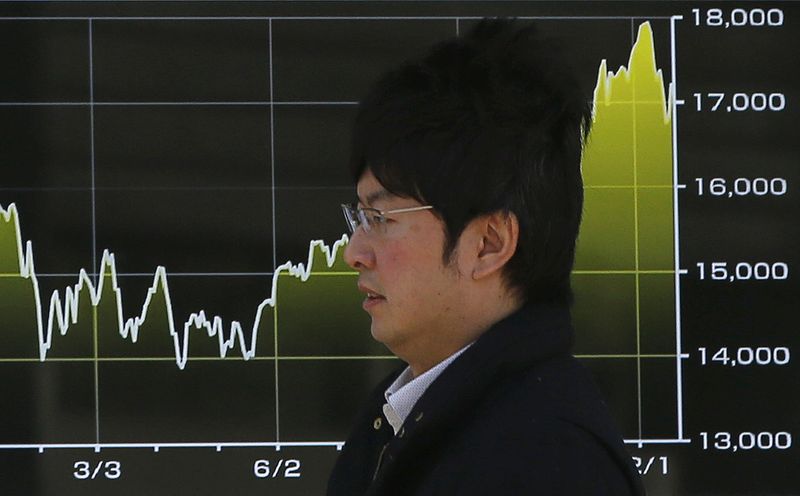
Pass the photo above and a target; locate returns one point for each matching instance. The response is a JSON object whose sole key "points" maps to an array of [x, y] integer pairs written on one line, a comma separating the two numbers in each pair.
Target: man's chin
{"points": [[379, 332], [375, 330]]}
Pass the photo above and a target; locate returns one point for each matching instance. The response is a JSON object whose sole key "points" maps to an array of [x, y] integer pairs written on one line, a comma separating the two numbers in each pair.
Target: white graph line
{"points": [[665, 101], [62, 312]]}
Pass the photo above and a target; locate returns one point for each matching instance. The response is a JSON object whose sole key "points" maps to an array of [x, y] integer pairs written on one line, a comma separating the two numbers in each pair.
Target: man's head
{"points": [[488, 130]]}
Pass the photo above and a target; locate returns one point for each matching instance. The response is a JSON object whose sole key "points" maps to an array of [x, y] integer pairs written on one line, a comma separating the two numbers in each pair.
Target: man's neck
{"points": [[445, 342]]}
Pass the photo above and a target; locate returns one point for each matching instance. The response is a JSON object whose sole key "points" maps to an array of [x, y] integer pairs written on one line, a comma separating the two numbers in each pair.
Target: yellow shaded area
{"points": [[624, 280], [607, 217], [9, 263], [627, 168]]}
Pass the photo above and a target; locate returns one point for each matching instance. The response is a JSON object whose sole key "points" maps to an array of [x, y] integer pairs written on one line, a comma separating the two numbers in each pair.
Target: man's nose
{"points": [[358, 253]]}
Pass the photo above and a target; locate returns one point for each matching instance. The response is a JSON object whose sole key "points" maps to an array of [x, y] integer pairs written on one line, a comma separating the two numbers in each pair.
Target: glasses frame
{"points": [[357, 216]]}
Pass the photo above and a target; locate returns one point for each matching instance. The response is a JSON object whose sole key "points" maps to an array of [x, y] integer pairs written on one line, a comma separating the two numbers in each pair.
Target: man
{"points": [[467, 165]]}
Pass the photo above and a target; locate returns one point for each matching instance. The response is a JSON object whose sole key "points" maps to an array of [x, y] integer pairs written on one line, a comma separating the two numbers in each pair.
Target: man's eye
{"points": [[377, 219]]}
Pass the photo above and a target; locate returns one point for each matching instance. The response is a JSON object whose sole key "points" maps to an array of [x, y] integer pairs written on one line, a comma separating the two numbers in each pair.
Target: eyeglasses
{"points": [[372, 218]]}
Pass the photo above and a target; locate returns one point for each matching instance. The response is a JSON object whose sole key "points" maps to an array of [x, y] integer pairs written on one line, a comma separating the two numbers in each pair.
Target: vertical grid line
{"points": [[91, 138], [274, 233], [633, 32], [94, 238], [676, 239], [636, 248], [96, 376]]}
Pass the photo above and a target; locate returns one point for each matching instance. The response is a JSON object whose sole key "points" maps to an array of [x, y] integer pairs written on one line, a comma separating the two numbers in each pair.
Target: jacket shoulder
{"points": [[544, 431]]}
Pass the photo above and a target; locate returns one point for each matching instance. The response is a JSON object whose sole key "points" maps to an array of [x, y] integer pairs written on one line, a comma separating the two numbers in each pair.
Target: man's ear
{"points": [[498, 237]]}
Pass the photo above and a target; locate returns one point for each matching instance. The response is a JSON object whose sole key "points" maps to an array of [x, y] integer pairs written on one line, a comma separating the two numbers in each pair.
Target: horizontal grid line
{"points": [[657, 441], [291, 358], [271, 188], [196, 359], [168, 104], [176, 188], [317, 18], [617, 272], [235, 103], [41, 447], [187, 274], [157, 446], [628, 186], [632, 355], [327, 274]]}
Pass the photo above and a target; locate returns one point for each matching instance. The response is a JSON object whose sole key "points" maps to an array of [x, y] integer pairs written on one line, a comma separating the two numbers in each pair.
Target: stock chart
{"points": [[176, 316]]}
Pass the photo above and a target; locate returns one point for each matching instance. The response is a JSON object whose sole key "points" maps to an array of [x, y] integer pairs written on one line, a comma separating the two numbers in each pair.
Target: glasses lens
{"points": [[364, 219], [350, 217]]}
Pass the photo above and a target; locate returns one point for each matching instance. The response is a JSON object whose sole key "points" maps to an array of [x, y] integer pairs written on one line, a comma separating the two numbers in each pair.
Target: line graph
{"points": [[630, 224], [177, 156], [616, 94], [63, 311], [158, 342]]}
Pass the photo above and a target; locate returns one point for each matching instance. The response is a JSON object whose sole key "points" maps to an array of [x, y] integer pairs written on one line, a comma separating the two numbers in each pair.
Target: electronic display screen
{"points": [[175, 313]]}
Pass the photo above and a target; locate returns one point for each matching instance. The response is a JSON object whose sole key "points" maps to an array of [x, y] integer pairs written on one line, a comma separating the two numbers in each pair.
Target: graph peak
{"points": [[638, 82]]}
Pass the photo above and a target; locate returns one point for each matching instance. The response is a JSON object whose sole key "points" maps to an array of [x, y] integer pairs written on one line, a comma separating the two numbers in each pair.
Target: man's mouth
{"points": [[373, 298]]}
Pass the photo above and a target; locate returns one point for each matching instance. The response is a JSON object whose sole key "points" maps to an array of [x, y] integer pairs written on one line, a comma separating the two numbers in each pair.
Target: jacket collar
{"points": [[529, 335], [532, 334]]}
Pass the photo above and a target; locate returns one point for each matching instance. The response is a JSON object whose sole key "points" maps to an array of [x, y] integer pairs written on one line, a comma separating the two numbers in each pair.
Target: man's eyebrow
{"points": [[375, 196]]}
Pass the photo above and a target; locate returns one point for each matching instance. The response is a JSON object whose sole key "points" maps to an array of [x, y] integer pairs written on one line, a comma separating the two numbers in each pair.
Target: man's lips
{"points": [[371, 293], [373, 297]]}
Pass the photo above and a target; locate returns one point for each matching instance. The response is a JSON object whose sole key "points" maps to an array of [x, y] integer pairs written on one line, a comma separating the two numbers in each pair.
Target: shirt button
{"points": [[418, 417], [401, 432], [377, 424]]}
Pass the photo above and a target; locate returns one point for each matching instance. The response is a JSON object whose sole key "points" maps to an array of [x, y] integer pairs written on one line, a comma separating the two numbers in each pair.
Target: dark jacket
{"points": [[515, 414]]}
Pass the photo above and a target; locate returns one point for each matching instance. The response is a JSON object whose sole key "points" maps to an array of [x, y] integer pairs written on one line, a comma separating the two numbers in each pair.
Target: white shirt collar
{"points": [[403, 393]]}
